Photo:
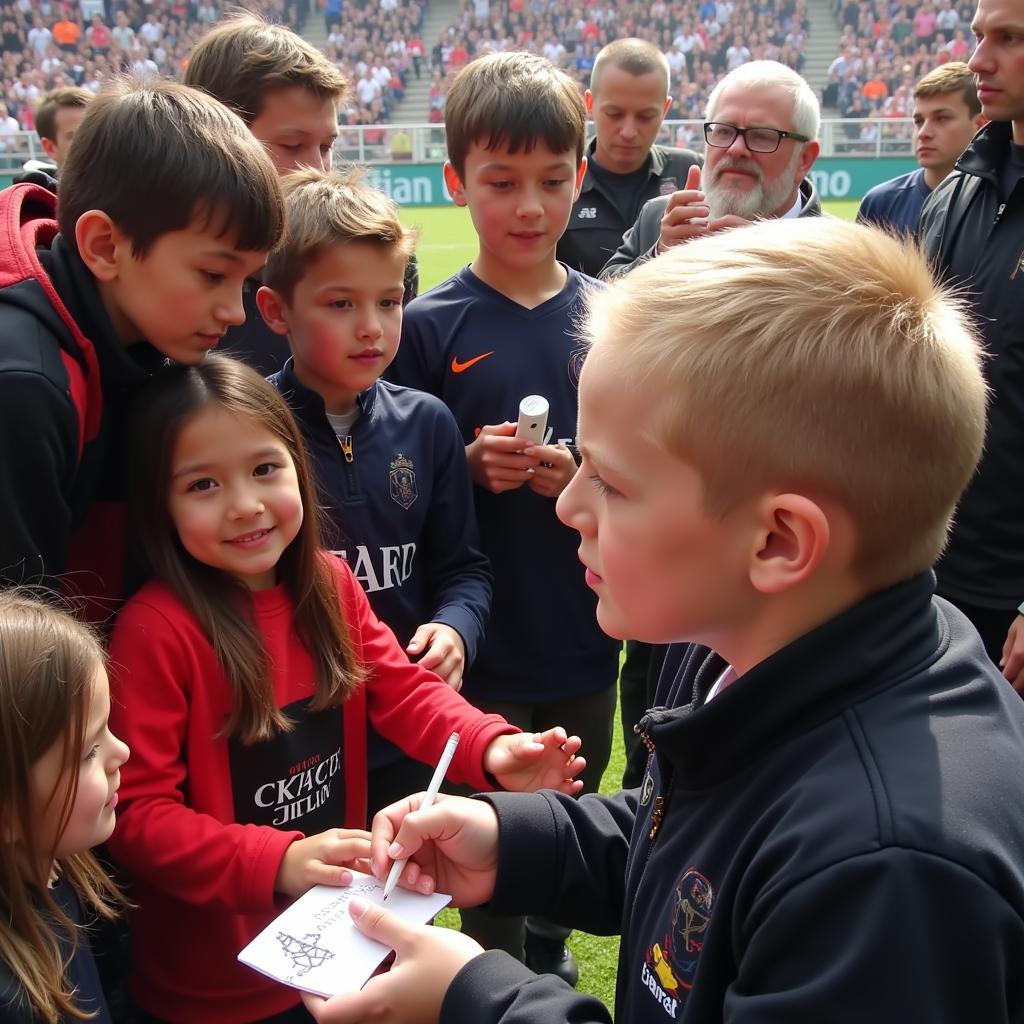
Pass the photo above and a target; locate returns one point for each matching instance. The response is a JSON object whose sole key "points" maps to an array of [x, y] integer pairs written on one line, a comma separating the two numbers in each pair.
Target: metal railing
{"points": [[425, 143]]}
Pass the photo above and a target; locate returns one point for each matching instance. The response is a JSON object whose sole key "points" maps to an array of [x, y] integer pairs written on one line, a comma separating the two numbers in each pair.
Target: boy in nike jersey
{"points": [[389, 464], [498, 330]]}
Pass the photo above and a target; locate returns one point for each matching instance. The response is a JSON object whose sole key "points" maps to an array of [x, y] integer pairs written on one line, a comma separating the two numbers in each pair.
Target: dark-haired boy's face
{"points": [[297, 128], [519, 202], [183, 294]]}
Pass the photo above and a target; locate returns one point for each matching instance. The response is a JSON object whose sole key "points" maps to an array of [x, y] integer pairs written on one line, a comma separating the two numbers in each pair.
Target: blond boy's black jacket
{"points": [[837, 836], [974, 236]]}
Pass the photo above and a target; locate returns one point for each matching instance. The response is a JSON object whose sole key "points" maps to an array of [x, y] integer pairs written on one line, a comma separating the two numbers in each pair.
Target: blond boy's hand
{"points": [[1012, 662], [324, 859], [496, 460], [527, 761], [443, 651], [556, 469]]}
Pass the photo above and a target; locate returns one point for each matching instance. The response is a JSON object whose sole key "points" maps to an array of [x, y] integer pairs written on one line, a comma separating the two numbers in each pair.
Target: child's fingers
{"points": [[319, 873]]}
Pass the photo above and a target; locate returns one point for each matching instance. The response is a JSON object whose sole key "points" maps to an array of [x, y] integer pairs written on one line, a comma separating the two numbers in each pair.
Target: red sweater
{"points": [[198, 812]]}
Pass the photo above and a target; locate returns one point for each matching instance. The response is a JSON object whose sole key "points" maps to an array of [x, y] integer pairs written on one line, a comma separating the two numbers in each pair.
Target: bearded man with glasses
{"points": [[761, 133]]}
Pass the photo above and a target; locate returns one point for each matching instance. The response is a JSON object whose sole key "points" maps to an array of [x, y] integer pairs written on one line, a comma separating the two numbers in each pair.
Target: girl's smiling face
{"points": [[234, 495]]}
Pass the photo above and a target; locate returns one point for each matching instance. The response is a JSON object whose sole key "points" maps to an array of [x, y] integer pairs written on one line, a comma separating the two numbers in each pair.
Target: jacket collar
{"points": [[812, 203], [307, 404], [864, 650], [655, 164], [988, 151], [122, 368]]}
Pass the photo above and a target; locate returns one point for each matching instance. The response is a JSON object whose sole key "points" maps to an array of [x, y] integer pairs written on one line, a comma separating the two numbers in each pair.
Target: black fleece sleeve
{"points": [[564, 857], [496, 988], [38, 460]]}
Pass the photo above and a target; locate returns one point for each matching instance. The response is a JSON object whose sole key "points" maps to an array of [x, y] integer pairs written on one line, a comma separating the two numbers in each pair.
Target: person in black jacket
{"points": [[627, 101], [971, 228], [761, 132], [166, 203], [831, 821]]}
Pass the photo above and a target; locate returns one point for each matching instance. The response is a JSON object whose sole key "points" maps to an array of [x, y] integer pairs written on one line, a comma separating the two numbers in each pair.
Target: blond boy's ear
{"points": [[101, 245], [793, 537], [273, 309], [453, 183]]}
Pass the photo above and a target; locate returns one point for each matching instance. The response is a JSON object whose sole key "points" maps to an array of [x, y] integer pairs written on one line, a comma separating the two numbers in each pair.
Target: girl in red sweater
{"points": [[243, 677]]}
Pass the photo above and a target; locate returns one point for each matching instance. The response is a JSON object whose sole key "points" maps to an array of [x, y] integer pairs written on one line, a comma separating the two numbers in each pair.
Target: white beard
{"points": [[762, 200]]}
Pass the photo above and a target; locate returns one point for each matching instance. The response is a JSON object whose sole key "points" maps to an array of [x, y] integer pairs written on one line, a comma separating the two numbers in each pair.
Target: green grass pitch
{"points": [[446, 243]]}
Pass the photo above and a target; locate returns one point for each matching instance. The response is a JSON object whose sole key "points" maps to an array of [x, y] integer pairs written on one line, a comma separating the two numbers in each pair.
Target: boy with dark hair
{"points": [[499, 330], [831, 820], [288, 93], [389, 461], [167, 203]]}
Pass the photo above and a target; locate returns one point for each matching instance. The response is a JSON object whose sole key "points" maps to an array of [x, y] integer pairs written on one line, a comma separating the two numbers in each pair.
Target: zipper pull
{"points": [[346, 447]]}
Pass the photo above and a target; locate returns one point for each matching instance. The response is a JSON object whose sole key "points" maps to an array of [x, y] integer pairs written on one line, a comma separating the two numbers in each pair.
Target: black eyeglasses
{"points": [[758, 140]]}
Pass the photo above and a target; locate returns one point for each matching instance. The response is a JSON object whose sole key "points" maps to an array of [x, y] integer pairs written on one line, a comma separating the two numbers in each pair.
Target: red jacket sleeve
{"points": [[168, 703], [410, 705]]}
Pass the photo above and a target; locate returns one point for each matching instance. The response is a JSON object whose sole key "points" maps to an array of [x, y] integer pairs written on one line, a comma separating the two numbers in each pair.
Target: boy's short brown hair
{"points": [[244, 58], [812, 355], [516, 99], [954, 76], [73, 96], [158, 157], [325, 208]]}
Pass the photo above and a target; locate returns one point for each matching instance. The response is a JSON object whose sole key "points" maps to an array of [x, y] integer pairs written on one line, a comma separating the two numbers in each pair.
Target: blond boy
{"points": [[776, 423]]}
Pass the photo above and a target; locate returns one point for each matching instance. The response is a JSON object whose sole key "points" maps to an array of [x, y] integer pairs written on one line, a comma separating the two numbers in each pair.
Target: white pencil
{"points": [[428, 800]]}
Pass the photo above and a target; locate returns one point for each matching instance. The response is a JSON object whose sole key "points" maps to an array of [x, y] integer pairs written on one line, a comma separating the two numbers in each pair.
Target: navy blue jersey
{"points": [[482, 353], [398, 507], [896, 204]]}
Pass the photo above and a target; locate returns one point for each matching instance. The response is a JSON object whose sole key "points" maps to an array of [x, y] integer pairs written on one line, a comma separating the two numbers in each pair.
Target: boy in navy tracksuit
{"points": [[390, 463], [776, 423], [499, 330]]}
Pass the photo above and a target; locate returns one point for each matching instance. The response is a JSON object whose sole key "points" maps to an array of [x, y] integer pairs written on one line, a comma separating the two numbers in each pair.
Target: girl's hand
{"points": [[324, 859], [426, 962], [530, 761], [443, 652]]}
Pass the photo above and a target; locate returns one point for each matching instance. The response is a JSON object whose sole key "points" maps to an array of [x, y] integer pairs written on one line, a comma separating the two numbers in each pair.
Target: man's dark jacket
{"points": [[641, 241], [597, 221]]}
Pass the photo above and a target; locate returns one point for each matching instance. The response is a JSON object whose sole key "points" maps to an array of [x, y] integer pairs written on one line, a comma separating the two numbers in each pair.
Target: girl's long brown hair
{"points": [[221, 603], [48, 662]]}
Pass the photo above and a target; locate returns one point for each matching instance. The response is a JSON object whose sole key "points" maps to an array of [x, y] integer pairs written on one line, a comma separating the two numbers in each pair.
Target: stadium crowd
{"points": [[49, 45], [885, 47]]}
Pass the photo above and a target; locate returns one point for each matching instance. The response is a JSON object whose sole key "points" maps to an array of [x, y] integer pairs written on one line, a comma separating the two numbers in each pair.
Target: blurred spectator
{"points": [[58, 115]]}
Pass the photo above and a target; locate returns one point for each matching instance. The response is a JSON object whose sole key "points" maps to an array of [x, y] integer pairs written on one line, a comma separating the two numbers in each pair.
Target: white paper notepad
{"points": [[314, 946]]}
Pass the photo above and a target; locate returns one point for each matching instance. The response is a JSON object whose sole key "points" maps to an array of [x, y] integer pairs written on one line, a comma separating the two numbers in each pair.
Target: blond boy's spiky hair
{"points": [[811, 355]]}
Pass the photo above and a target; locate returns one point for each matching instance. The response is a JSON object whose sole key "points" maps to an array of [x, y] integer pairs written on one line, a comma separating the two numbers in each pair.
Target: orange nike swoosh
{"points": [[458, 367]]}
